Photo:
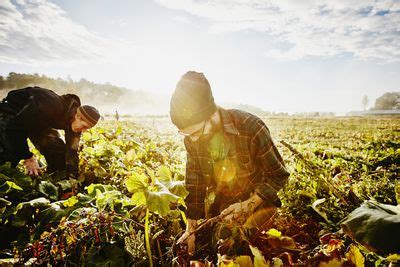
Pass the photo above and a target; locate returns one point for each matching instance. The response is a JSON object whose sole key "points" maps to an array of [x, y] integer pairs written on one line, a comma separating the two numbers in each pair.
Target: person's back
{"points": [[36, 113], [48, 109]]}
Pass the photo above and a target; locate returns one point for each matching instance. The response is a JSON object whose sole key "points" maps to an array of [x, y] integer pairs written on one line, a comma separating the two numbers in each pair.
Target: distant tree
{"points": [[2, 82], [388, 101], [365, 101]]}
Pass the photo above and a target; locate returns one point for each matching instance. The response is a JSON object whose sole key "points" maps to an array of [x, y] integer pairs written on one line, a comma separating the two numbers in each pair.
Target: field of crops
{"points": [[127, 205]]}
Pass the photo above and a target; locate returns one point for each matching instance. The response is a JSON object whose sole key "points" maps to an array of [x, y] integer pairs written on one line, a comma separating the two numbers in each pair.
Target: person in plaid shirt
{"points": [[233, 167]]}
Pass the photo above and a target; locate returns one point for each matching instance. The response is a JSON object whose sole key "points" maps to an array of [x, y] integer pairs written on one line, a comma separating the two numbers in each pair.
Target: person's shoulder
{"points": [[71, 98], [245, 119], [38, 89]]}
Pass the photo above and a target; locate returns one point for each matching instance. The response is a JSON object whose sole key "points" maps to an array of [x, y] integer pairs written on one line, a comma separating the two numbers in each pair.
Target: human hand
{"points": [[189, 238], [239, 212], [32, 166]]}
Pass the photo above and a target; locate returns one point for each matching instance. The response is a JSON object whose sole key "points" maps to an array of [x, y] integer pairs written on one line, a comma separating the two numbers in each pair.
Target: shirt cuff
{"points": [[268, 194]]}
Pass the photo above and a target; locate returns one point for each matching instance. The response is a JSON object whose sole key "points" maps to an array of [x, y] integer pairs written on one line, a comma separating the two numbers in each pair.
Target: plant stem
{"points": [[147, 238]]}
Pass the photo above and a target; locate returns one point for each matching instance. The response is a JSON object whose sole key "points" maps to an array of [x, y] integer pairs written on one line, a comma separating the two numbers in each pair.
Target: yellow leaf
{"points": [[274, 233], [393, 258], [131, 155], [259, 260], [331, 263], [354, 255], [244, 261], [70, 202]]}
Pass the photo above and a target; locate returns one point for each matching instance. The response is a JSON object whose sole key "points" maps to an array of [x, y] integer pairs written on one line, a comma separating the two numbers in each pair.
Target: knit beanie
{"points": [[192, 101], [90, 114]]}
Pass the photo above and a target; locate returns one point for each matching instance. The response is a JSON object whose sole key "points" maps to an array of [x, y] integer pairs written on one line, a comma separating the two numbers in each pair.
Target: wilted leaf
{"points": [[259, 260], [244, 261], [354, 256], [317, 210]]}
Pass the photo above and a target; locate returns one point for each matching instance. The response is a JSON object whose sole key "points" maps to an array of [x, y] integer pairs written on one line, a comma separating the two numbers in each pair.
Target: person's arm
{"points": [[267, 156], [71, 153], [273, 179], [194, 200], [195, 185]]}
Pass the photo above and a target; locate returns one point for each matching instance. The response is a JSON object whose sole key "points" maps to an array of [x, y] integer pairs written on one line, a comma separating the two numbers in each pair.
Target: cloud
{"points": [[181, 19], [366, 30], [40, 32]]}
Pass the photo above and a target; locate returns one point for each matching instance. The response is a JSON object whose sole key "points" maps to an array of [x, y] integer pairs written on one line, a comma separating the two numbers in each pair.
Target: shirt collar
{"points": [[227, 123]]}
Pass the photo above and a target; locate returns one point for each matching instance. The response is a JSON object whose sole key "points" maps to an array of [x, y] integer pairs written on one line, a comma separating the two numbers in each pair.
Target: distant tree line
{"points": [[388, 101], [97, 94]]}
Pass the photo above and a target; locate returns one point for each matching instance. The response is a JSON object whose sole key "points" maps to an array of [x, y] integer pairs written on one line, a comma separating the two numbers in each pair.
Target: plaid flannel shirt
{"points": [[257, 164]]}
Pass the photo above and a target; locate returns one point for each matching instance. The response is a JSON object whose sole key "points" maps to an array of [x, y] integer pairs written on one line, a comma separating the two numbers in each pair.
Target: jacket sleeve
{"points": [[20, 127], [195, 186], [267, 156], [71, 157]]}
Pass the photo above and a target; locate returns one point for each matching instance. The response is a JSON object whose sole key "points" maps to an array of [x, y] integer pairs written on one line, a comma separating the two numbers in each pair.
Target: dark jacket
{"points": [[35, 111]]}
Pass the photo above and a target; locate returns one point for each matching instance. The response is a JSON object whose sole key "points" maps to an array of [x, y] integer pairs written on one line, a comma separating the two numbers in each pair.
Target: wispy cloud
{"points": [[40, 32], [367, 29]]}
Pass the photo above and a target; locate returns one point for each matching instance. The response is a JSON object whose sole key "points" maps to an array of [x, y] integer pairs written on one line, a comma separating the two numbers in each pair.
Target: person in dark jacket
{"points": [[233, 168], [37, 113]]}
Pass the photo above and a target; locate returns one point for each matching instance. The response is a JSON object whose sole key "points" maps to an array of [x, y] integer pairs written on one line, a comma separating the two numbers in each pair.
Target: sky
{"points": [[279, 55]]}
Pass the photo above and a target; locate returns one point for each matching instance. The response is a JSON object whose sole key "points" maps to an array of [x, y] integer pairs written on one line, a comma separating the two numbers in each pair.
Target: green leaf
{"points": [[136, 182], [13, 185], [48, 189], [54, 213], [159, 200], [91, 189], [131, 155], [65, 185], [4, 202], [35, 203], [108, 198], [164, 174], [178, 188], [81, 213], [139, 198]]}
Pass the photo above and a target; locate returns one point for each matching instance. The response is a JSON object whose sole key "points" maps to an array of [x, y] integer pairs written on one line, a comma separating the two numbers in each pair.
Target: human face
{"points": [[79, 125], [202, 130], [194, 132]]}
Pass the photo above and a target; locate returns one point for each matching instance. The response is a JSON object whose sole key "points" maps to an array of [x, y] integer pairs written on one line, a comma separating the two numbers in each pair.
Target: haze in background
{"points": [[286, 55]]}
